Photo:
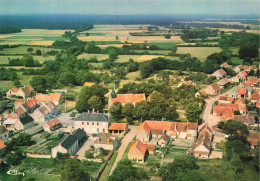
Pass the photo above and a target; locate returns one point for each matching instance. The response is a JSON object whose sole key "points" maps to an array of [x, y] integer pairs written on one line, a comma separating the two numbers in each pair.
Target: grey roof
{"points": [[50, 105], [43, 110], [251, 120], [25, 106], [3, 129], [100, 117], [69, 140], [79, 133], [26, 119]]}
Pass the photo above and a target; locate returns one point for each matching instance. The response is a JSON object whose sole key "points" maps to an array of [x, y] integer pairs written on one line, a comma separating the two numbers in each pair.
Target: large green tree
{"points": [[128, 110], [193, 112], [116, 110], [180, 165], [95, 103], [125, 171], [86, 93], [73, 171]]}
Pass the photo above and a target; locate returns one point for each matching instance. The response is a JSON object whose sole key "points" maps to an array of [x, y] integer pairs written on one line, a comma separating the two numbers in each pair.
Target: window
{"points": [[97, 124], [93, 123], [97, 129], [87, 123], [82, 123]]}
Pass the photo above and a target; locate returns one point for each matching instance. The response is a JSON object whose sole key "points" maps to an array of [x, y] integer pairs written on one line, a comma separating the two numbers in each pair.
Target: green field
{"points": [[41, 59], [23, 50], [24, 80], [215, 170], [99, 57], [237, 61]]}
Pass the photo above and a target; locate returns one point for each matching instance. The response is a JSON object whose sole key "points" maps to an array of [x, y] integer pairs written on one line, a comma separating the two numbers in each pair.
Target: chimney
{"points": [[60, 143], [107, 140], [98, 139], [88, 111], [103, 131], [97, 111], [71, 132]]}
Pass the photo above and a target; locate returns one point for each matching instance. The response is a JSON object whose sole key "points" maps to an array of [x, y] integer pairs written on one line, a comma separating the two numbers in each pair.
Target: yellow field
{"points": [[200, 52], [32, 37], [121, 58]]}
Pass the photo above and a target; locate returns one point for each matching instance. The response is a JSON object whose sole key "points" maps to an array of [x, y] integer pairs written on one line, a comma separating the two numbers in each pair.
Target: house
{"points": [[150, 148], [258, 104], [125, 98], [20, 112], [254, 98], [71, 143], [225, 65], [202, 148], [89, 84], [242, 75], [118, 128], [253, 139], [247, 120], [237, 92], [104, 140], [25, 92], [213, 89], [46, 112], [227, 110], [56, 98], [223, 83], [138, 152], [4, 133], [52, 125], [2, 147], [92, 122], [201, 93], [219, 74], [234, 79], [155, 129], [253, 82], [5, 114], [15, 122], [237, 69], [164, 140], [225, 99]]}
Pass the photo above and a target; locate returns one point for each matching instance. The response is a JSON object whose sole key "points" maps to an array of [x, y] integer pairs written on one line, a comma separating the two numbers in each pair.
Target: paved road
{"points": [[85, 147], [207, 116], [126, 140]]}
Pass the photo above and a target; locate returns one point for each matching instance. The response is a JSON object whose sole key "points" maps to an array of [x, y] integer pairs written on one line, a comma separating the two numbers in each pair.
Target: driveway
{"points": [[66, 119], [126, 140], [85, 147]]}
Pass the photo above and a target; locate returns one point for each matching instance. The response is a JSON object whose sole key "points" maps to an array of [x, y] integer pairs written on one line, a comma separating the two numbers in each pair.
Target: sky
{"points": [[130, 7]]}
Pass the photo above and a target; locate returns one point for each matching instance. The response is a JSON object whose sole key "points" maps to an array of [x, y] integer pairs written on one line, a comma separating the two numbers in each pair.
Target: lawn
{"points": [[105, 173], [200, 52], [215, 170], [237, 61], [173, 152], [125, 155], [99, 57]]}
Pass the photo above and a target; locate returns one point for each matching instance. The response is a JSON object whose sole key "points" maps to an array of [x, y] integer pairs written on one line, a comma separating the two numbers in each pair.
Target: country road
{"points": [[126, 140]]}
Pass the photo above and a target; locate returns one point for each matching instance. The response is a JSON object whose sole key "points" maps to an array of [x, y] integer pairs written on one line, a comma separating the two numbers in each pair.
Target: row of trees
{"points": [[26, 61], [9, 29]]}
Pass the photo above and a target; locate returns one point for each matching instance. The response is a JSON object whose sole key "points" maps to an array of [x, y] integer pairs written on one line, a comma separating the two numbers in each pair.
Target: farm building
{"points": [[52, 125], [138, 152], [104, 140], [25, 92], [118, 128]]}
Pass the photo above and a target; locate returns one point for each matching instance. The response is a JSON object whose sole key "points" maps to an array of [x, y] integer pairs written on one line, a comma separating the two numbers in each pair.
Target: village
{"points": [[87, 134]]}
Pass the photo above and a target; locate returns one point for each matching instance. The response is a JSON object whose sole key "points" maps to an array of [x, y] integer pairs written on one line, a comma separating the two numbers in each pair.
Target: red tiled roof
{"points": [[215, 86], [118, 126], [242, 91], [140, 146], [15, 89], [19, 111], [54, 122], [43, 97], [2, 144], [128, 98], [193, 125], [222, 71], [255, 96], [258, 104], [13, 116], [150, 147], [226, 98], [55, 97], [243, 73], [19, 101], [240, 101], [253, 138]]}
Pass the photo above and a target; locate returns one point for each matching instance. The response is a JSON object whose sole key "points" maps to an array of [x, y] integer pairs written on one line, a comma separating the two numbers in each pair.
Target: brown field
{"points": [[43, 43], [200, 52]]}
